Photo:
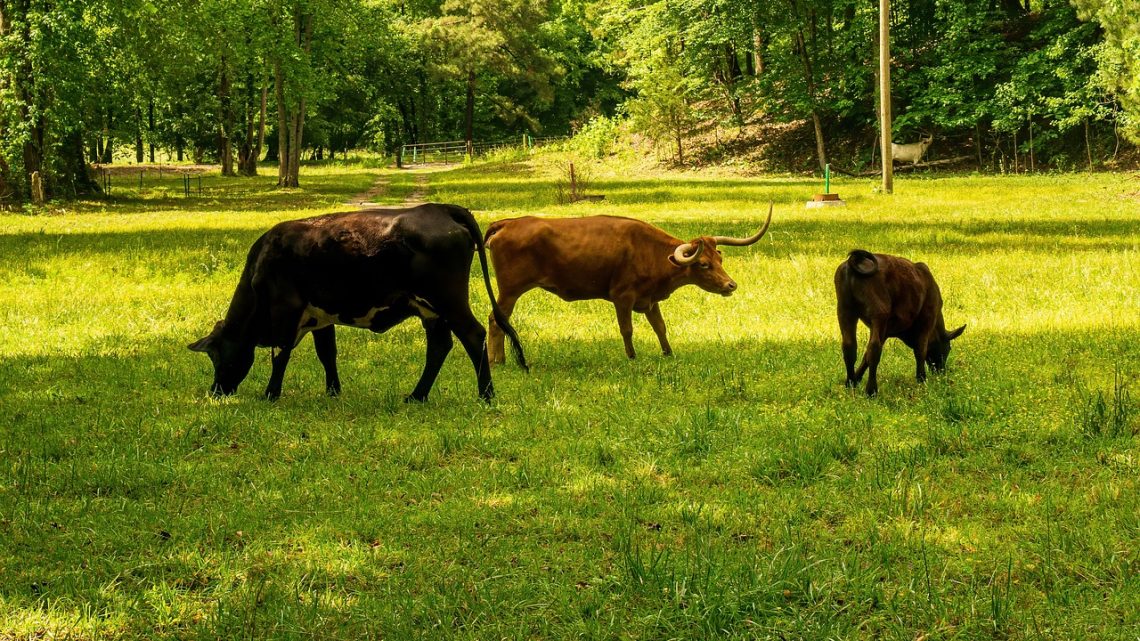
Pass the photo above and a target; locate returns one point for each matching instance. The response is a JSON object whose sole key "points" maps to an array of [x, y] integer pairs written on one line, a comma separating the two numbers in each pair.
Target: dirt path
{"points": [[365, 198], [419, 194]]}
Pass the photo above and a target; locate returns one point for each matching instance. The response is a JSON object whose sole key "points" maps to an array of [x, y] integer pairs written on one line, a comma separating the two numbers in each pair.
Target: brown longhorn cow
{"points": [[894, 298], [630, 263]]}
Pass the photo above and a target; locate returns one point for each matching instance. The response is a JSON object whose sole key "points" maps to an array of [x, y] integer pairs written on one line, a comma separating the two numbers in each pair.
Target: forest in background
{"points": [[237, 81]]}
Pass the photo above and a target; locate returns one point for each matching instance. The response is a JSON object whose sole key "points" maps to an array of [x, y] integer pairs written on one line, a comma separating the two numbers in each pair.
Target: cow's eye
{"points": [[704, 265]]}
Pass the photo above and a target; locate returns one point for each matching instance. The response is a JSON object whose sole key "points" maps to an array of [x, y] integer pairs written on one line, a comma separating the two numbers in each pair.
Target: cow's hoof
{"points": [[412, 398], [872, 392], [333, 390], [850, 384], [271, 395]]}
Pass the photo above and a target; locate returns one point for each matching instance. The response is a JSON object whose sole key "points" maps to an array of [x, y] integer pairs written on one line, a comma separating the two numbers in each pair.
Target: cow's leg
{"points": [[848, 324], [439, 344], [325, 341], [496, 351], [920, 361], [871, 357], [280, 360], [658, 324], [625, 324], [284, 320], [474, 339]]}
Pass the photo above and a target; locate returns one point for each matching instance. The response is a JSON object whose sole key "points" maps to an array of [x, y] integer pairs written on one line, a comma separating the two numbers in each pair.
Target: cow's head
{"points": [[938, 349], [231, 359], [702, 259]]}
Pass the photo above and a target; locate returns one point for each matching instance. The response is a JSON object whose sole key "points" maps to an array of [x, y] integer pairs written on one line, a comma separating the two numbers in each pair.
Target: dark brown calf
{"points": [[894, 298]]}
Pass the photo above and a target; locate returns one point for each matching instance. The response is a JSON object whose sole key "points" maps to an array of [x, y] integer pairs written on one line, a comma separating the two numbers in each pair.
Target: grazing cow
{"points": [[912, 152], [895, 298], [632, 264], [370, 269]]}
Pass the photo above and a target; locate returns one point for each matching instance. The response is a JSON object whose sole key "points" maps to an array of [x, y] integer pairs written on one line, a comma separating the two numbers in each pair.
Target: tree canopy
{"points": [[235, 81]]}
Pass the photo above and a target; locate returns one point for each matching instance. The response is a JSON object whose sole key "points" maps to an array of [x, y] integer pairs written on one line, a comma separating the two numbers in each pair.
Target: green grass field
{"points": [[734, 490]]}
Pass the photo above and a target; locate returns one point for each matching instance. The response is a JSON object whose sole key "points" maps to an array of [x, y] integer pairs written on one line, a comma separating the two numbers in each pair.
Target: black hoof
{"points": [[412, 398]]}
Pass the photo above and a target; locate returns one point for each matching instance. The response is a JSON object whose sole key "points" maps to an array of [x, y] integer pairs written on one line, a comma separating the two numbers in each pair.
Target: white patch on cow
{"points": [[422, 307], [324, 319], [365, 321], [313, 313]]}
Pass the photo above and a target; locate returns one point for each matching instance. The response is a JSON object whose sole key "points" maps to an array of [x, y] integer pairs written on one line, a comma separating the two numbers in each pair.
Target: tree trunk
{"points": [[6, 190], [978, 143], [809, 75], [23, 85], [250, 150], [885, 96], [140, 157], [106, 139], [820, 147], [76, 175], [1088, 145], [469, 115], [291, 126], [1032, 156], [1015, 163], [282, 128], [179, 145], [758, 52], [261, 122], [150, 128], [225, 121]]}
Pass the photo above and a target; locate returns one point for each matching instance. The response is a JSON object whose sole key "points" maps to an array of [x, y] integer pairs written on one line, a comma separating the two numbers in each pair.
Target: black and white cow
{"points": [[370, 269]]}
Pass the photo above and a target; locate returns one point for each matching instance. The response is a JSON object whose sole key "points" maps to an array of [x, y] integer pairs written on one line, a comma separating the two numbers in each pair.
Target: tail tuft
{"points": [[862, 262]]}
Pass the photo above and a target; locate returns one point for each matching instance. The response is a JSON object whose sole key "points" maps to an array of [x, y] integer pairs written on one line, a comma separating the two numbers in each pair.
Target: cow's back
{"points": [[575, 258], [363, 259], [900, 289]]}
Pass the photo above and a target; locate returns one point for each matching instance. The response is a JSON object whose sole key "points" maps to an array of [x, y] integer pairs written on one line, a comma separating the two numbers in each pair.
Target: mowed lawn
{"points": [[734, 490]]}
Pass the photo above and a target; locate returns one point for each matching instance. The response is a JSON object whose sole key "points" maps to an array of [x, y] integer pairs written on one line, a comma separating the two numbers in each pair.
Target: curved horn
{"points": [[683, 259], [743, 242]]}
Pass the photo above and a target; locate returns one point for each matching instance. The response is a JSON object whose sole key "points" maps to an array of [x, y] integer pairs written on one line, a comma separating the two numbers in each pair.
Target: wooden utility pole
{"points": [[885, 95]]}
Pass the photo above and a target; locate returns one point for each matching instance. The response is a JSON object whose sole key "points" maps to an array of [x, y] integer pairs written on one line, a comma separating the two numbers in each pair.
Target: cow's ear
{"points": [[205, 344], [202, 344], [956, 333]]}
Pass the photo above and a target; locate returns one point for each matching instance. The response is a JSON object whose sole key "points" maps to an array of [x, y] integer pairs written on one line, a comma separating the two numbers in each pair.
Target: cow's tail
{"points": [[862, 263], [464, 217]]}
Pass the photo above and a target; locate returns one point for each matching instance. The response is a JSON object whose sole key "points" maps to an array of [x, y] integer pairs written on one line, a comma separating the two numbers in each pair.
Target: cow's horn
{"points": [[681, 258], [741, 242]]}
